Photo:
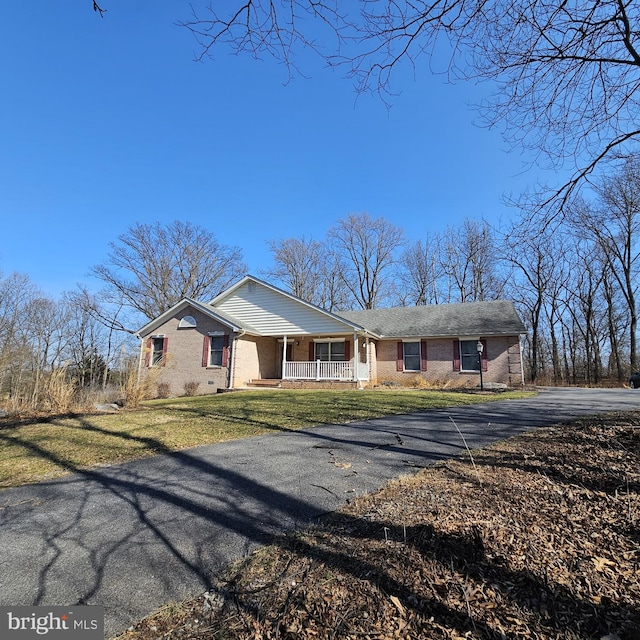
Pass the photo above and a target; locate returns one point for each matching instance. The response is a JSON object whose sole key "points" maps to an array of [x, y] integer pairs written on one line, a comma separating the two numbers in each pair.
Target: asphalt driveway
{"points": [[132, 537]]}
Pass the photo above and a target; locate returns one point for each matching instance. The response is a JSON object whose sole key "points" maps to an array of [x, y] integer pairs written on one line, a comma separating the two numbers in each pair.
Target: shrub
{"points": [[59, 390], [134, 387], [420, 382], [164, 390], [191, 388]]}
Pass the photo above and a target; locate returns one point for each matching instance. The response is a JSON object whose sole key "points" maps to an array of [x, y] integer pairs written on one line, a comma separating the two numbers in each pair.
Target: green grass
{"points": [[39, 449]]}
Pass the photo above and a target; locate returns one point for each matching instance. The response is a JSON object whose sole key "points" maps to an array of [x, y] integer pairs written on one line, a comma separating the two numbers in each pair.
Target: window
{"points": [[469, 356], [330, 351], [157, 350], [216, 349], [215, 352], [411, 356], [188, 322]]}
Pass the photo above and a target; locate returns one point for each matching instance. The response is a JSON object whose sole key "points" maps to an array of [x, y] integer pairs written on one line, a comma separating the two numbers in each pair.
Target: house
{"points": [[255, 333]]}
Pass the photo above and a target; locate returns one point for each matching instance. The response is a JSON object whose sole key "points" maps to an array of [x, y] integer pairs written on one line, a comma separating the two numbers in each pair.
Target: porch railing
{"points": [[318, 370]]}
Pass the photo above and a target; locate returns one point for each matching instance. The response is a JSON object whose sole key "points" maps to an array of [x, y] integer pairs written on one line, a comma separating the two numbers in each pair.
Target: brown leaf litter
{"points": [[534, 537]]}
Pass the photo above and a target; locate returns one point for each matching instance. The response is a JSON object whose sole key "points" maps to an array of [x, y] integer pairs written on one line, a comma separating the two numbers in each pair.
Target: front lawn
{"points": [[39, 449]]}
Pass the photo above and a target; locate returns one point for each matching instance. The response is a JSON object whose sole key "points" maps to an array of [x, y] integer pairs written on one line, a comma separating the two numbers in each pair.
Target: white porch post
{"points": [[284, 356], [356, 357], [368, 363]]}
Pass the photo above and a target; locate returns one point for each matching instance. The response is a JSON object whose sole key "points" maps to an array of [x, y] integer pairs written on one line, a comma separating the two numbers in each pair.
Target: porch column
{"points": [[356, 357], [368, 363], [284, 356]]}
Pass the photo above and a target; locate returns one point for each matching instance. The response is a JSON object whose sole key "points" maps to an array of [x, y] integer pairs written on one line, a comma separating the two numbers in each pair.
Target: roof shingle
{"points": [[497, 317]]}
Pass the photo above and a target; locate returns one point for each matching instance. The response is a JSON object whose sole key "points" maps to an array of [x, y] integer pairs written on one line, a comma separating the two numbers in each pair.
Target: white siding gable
{"points": [[275, 314]]}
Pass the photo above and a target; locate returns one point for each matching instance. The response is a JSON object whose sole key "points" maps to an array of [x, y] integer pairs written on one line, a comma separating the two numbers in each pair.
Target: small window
{"points": [[216, 349], [188, 322], [469, 356], [157, 351], [411, 356]]}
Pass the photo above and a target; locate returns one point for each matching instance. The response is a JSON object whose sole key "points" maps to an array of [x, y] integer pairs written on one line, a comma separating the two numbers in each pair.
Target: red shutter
{"points": [[347, 351], [312, 351], [225, 351], [147, 357], [165, 346], [456, 355], [400, 357], [423, 355], [205, 352], [485, 356]]}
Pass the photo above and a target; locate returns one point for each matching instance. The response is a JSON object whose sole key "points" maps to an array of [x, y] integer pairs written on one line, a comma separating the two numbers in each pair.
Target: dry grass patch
{"points": [[547, 546]]}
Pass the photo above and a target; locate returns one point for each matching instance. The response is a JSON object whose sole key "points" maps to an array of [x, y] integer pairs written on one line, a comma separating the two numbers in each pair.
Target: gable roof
{"points": [[259, 308], [184, 304], [274, 312], [496, 317]]}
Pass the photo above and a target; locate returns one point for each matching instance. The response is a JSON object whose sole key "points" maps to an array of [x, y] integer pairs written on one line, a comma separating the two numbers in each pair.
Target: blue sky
{"points": [[108, 122]]}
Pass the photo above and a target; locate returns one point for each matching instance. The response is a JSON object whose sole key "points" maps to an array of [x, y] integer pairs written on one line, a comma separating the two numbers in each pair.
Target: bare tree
{"points": [[585, 304], [309, 270], [618, 322], [99, 335], [539, 264], [46, 331], [333, 294], [298, 266], [16, 294], [365, 250], [152, 267], [567, 74], [613, 221], [420, 271], [469, 262]]}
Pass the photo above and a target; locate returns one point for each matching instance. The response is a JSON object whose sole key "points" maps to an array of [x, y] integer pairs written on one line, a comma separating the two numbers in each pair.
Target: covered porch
{"points": [[329, 358]]}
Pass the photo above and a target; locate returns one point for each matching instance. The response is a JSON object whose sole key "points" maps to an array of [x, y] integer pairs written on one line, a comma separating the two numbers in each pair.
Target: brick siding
{"points": [[184, 355], [503, 364]]}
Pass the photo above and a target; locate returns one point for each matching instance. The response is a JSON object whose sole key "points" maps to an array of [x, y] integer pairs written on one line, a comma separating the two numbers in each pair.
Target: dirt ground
{"points": [[534, 537]]}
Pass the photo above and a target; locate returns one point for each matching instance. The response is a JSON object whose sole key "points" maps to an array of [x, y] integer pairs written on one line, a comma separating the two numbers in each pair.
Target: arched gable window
{"points": [[188, 322]]}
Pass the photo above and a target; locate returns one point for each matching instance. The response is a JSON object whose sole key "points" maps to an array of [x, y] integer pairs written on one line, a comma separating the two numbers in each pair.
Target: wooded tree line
{"points": [[573, 278], [47, 342]]}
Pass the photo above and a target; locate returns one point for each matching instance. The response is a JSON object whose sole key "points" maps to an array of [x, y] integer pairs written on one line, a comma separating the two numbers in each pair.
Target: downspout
{"points": [[232, 363], [520, 341], [140, 358]]}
